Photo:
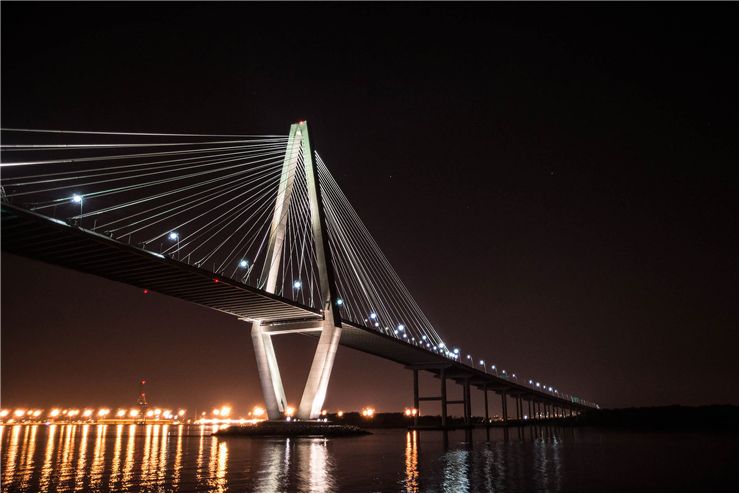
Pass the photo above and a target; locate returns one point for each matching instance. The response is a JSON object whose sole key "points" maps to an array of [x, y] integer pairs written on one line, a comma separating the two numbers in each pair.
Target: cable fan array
{"points": [[373, 294], [208, 203]]}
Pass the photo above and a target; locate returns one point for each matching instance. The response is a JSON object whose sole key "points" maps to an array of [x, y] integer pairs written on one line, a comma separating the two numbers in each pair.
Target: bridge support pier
{"points": [[269, 372], [416, 396], [443, 395], [485, 403], [466, 401], [504, 414]]}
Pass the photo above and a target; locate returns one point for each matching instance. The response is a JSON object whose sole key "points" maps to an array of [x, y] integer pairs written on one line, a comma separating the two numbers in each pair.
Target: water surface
{"points": [[188, 458]]}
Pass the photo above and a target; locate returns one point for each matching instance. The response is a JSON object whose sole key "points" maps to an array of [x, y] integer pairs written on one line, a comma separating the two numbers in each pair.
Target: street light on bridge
{"points": [[77, 199], [175, 237]]}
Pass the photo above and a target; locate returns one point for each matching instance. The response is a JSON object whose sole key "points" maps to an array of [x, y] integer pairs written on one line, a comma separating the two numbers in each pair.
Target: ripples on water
{"points": [[187, 458]]}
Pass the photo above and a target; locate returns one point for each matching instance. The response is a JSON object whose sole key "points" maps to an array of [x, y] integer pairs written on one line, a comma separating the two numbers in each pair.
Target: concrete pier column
{"points": [[416, 396], [485, 402], [503, 407], [269, 372], [317, 383], [443, 396], [466, 401]]}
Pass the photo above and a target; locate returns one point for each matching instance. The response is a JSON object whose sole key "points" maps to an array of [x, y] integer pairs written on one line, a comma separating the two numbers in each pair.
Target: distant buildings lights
{"points": [[121, 413]]}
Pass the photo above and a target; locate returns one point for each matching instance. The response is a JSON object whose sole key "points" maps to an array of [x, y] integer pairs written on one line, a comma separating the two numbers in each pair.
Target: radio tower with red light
{"points": [[143, 405]]}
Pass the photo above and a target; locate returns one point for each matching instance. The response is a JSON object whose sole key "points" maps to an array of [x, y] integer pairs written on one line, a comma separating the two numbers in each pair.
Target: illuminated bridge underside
{"points": [[32, 235], [38, 237]]}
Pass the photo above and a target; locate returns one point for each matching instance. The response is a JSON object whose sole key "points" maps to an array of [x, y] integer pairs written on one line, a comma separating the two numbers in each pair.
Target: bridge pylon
{"points": [[314, 394]]}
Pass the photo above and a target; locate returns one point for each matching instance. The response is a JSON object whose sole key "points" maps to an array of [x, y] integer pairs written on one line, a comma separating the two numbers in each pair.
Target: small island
{"points": [[293, 429]]}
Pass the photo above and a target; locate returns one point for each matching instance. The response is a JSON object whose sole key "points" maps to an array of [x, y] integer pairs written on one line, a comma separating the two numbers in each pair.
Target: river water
{"points": [[188, 458]]}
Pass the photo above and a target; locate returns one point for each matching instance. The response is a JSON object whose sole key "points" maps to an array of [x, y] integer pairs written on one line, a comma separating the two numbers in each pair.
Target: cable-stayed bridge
{"points": [[252, 225]]}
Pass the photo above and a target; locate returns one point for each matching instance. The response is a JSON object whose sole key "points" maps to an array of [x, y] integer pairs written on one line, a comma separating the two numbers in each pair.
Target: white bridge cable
{"points": [[196, 199], [272, 173], [375, 275], [258, 206], [121, 169], [243, 182], [163, 194], [376, 293], [369, 267], [155, 134], [190, 166], [69, 161], [77, 147]]}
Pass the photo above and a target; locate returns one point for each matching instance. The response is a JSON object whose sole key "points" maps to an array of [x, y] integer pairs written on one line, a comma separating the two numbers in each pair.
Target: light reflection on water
{"points": [[188, 458]]}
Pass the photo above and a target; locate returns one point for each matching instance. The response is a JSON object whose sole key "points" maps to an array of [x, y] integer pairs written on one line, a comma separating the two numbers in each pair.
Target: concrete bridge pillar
{"points": [[504, 413], [485, 403]]}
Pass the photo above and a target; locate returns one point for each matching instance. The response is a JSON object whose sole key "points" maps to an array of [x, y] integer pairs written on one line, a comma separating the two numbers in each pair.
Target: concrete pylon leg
{"points": [[269, 372], [317, 383]]}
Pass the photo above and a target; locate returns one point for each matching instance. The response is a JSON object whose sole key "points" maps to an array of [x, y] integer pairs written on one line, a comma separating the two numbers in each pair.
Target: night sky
{"points": [[556, 184]]}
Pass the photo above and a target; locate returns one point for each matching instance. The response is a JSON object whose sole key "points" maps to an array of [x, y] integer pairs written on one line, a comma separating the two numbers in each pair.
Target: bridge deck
{"points": [[32, 235], [370, 341], [46, 239]]}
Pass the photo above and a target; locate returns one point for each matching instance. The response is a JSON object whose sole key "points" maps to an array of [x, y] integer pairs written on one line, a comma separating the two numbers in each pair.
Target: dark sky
{"points": [[556, 184]]}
